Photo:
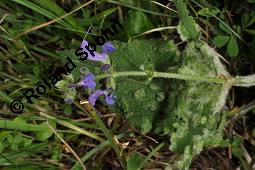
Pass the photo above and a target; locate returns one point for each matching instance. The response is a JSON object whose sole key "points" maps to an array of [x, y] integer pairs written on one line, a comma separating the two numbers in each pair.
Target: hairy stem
{"points": [[245, 81], [165, 75]]}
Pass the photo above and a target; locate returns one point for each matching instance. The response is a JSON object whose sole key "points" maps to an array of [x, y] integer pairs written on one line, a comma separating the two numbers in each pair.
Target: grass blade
{"points": [[40, 10]]}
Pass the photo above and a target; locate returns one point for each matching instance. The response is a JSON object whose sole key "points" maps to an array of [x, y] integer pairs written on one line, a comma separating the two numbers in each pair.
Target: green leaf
{"points": [[9, 138], [27, 142], [188, 29], [138, 94], [36, 70], [68, 109], [225, 144], [138, 22], [220, 40], [245, 20], [184, 34], [209, 12], [237, 142], [195, 116], [103, 14], [134, 162], [232, 48], [225, 28], [17, 139], [237, 152], [4, 135], [44, 135], [193, 123]]}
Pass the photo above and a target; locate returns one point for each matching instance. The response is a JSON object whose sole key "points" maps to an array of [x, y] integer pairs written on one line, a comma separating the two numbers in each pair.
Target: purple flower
{"points": [[109, 98], [96, 57], [88, 81], [108, 47], [105, 67], [94, 96]]}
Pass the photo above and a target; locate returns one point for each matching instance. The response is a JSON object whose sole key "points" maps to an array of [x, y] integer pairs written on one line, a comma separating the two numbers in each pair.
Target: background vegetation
{"points": [[33, 31]]}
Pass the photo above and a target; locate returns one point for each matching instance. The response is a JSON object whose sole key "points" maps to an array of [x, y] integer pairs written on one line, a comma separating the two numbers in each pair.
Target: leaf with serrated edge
{"points": [[190, 117]]}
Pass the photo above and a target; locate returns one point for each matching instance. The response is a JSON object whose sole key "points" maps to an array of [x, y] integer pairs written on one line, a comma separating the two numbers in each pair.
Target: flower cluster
{"points": [[88, 81], [106, 48]]}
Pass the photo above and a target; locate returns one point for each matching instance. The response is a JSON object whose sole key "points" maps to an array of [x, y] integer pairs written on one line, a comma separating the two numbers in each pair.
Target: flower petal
{"points": [[108, 47], [88, 81], [110, 99], [96, 57], [94, 96], [84, 43]]}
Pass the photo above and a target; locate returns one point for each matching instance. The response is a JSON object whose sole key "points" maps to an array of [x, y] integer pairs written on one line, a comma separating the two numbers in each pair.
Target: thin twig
{"points": [[67, 145], [164, 6]]}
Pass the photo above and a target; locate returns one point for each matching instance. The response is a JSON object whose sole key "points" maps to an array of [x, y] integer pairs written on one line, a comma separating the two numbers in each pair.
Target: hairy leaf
{"points": [[197, 110], [140, 102], [188, 110], [187, 27]]}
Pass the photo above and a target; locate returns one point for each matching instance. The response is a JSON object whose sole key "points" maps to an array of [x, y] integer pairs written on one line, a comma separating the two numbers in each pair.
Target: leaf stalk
{"points": [[234, 81]]}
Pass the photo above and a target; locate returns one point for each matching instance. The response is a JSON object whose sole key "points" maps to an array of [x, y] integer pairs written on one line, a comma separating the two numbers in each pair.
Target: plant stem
{"points": [[109, 137], [165, 75], [242, 81], [94, 114], [190, 77]]}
